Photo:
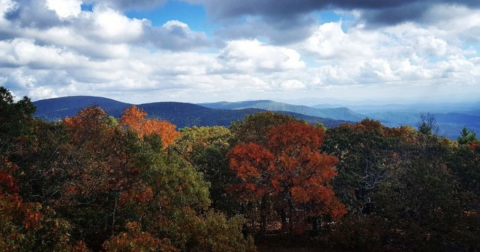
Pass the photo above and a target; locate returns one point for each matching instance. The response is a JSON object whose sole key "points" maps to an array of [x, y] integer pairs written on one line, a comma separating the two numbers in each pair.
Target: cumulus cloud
{"points": [[455, 21], [22, 52], [101, 33], [377, 11], [330, 41], [65, 8], [267, 49], [252, 56], [6, 6], [177, 36], [29, 13], [285, 22], [107, 24], [277, 31]]}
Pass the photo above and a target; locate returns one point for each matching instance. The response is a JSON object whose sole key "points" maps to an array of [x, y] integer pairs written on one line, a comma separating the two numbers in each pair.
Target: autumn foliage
{"points": [[88, 183], [290, 171], [135, 119]]}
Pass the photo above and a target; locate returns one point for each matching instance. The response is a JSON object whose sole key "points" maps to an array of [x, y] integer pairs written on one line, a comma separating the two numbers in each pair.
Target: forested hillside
{"points": [[97, 182], [181, 114], [337, 113]]}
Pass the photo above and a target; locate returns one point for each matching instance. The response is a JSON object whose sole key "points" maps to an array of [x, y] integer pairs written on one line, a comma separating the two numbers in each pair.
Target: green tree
{"points": [[427, 125], [206, 149], [254, 127], [15, 118], [366, 154], [467, 137]]}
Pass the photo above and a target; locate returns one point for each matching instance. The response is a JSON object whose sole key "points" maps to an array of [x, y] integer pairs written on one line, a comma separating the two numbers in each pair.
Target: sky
{"points": [[319, 51]]}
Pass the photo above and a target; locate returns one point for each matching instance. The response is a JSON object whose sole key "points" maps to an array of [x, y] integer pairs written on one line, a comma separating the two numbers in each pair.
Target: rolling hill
{"points": [[59, 108], [339, 113], [449, 124], [180, 114]]}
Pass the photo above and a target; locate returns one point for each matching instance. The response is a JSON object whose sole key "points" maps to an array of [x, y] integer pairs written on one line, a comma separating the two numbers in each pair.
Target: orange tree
{"points": [[88, 184], [120, 179], [135, 119], [288, 173]]}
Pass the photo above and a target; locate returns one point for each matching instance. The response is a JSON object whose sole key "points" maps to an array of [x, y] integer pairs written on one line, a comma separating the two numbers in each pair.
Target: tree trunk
{"points": [[290, 216], [283, 215], [315, 229], [263, 216]]}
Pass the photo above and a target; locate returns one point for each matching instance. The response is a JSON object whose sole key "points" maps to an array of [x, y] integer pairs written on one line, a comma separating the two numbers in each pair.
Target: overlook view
{"points": [[209, 125]]}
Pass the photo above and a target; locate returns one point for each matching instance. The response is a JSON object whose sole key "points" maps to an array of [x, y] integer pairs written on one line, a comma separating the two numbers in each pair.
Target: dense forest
{"points": [[93, 182]]}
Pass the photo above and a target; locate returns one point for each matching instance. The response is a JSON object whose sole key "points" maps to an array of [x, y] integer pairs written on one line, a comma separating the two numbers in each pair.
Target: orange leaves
{"points": [[135, 240], [290, 163], [292, 136], [7, 182], [250, 161], [32, 216], [136, 196], [135, 119], [89, 127], [299, 194], [337, 210], [475, 146]]}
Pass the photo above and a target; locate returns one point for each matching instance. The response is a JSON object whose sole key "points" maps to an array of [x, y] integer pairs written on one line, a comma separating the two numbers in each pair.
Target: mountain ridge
{"points": [[450, 119], [178, 113], [338, 113]]}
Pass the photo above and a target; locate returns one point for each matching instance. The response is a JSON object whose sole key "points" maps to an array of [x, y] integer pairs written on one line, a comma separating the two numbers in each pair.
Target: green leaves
{"points": [[467, 137]]}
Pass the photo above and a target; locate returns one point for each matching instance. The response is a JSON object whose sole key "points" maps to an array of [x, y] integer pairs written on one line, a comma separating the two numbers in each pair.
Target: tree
{"points": [[254, 127], [88, 184], [136, 240], [15, 118], [467, 137], [367, 150], [428, 125], [288, 172], [206, 149], [135, 119]]}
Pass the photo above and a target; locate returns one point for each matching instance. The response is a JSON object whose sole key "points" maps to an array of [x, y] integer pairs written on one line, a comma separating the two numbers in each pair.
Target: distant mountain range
{"points": [[339, 113], [450, 118], [180, 114]]}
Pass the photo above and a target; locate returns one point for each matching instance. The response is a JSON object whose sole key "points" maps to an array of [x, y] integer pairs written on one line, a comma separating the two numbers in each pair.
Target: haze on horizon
{"points": [[196, 51]]}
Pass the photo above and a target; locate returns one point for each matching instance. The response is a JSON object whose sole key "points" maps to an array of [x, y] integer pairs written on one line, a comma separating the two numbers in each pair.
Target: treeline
{"points": [[93, 182]]}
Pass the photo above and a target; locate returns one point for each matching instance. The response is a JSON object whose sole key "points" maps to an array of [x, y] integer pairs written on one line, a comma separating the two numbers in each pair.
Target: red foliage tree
{"points": [[290, 170]]}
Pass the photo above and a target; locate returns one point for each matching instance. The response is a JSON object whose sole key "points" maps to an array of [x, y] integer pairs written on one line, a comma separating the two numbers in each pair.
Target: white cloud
{"points": [[331, 41], [53, 48], [112, 26], [250, 56], [65, 8], [375, 71], [5, 7], [176, 36], [292, 84], [23, 52], [457, 22]]}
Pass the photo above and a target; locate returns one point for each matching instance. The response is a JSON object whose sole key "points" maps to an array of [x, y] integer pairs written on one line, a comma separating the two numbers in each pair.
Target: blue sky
{"points": [[192, 14], [141, 51]]}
